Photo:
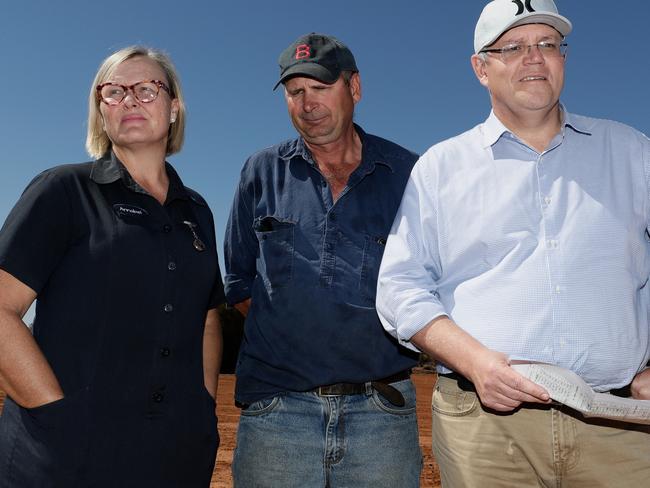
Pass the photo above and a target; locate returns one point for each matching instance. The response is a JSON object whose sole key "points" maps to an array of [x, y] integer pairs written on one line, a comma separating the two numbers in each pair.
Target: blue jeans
{"points": [[305, 440]]}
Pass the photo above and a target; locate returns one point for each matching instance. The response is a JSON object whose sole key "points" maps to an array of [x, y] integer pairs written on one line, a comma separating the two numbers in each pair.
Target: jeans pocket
{"points": [[276, 241], [261, 407], [407, 390], [452, 402]]}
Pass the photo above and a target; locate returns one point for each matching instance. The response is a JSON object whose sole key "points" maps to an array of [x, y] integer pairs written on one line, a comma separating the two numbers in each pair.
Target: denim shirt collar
{"points": [[370, 154], [109, 169], [493, 129]]}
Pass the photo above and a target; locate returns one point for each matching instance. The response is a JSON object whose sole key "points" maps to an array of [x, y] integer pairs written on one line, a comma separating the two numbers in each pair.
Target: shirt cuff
{"points": [[237, 291]]}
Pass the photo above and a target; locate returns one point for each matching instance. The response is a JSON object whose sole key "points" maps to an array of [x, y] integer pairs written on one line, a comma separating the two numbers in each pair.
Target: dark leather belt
{"points": [[466, 385], [382, 386]]}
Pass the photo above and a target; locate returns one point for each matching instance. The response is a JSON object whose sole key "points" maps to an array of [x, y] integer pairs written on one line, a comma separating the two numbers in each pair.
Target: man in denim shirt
{"points": [[325, 393]]}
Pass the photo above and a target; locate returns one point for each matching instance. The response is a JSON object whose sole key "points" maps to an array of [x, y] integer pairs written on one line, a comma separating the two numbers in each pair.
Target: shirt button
{"points": [[558, 289], [171, 266], [157, 397], [167, 228], [168, 307], [552, 244], [329, 246], [332, 216], [547, 200], [164, 352]]}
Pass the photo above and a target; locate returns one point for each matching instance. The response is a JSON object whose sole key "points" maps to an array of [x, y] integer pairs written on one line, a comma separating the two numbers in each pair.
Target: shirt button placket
{"points": [[328, 259], [168, 308], [171, 266]]}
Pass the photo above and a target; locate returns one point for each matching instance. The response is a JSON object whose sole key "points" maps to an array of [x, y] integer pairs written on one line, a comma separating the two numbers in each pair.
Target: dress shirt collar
{"points": [[493, 128]]}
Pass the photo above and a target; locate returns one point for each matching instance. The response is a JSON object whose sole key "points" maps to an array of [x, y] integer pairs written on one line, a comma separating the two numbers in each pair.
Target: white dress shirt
{"points": [[543, 257]]}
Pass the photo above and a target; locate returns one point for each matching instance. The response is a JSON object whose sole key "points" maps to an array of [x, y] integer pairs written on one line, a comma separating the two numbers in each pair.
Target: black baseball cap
{"points": [[316, 56]]}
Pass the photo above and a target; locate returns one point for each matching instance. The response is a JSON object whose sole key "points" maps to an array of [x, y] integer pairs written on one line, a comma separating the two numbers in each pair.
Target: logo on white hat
{"points": [[520, 6]]}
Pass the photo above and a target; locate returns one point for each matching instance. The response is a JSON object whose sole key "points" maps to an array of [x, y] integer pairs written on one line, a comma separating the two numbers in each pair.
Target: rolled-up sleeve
{"points": [[407, 297], [240, 244]]}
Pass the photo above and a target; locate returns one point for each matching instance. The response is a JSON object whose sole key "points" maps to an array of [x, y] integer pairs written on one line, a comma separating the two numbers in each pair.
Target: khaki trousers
{"points": [[535, 446]]}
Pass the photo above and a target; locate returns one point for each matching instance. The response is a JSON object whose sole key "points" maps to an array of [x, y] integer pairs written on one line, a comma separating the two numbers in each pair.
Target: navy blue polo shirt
{"points": [[310, 266], [122, 293]]}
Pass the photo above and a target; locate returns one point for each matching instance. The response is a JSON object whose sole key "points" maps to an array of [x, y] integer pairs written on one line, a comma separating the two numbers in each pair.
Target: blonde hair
{"points": [[97, 141]]}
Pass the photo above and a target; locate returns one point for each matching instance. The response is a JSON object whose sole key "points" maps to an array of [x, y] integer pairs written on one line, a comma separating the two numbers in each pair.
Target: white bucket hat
{"points": [[499, 16]]}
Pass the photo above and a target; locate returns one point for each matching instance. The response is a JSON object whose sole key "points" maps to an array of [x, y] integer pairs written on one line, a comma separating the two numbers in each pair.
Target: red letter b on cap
{"points": [[302, 51]]}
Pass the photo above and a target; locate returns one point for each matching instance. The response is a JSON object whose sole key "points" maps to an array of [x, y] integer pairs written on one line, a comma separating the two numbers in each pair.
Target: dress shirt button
{"points": [[558, 289], [165, 352], [167, 228], [547, 200], [552, 244], [168, 307], [329, 246], [332, 216], [157, 397], [171, 266]]}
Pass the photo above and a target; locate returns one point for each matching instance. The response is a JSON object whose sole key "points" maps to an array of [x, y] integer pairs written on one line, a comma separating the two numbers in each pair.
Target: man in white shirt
{"points": [[526, 238]]}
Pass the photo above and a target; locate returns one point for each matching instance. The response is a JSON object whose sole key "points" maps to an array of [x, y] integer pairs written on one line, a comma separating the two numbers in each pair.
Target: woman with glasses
{"points": [[116, 385]]}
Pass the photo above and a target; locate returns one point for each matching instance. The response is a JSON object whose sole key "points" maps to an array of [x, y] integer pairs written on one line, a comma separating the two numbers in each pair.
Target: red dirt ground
{"points": [[229, 417]]}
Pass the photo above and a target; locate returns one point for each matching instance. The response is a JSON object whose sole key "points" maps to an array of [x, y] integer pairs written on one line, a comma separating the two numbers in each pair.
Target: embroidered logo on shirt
{"points": [[126, 210]]}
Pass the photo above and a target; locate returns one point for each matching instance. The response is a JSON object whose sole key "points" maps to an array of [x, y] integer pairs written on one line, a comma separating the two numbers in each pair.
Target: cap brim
{"points": [[557, 21], [310, 70]]}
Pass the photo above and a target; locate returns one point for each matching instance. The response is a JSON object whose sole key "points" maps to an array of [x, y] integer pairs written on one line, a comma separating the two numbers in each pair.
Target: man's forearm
{"points": [[498, 385], [447, 343]]}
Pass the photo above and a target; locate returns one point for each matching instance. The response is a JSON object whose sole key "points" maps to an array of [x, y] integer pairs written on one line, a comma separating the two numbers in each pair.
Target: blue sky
{"points": [[418, 86]]}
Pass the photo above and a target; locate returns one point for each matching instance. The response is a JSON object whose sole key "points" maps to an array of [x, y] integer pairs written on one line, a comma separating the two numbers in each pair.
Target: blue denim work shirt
{"points": [[310, 266]]}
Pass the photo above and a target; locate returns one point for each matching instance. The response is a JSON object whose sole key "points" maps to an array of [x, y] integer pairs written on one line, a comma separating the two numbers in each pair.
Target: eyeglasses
{"points": [[548, 49], [144, 91]]}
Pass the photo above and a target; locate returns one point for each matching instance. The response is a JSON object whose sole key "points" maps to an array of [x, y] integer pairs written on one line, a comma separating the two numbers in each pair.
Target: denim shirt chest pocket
{"points": [[275, 237]]}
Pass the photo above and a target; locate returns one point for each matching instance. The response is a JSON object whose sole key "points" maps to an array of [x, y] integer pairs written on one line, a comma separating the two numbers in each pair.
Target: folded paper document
{"points": [[568, 388]]}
